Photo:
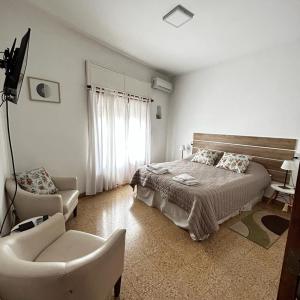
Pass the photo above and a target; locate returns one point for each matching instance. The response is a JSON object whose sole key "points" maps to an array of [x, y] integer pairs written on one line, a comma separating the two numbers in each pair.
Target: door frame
{"points": [[290, 272]]}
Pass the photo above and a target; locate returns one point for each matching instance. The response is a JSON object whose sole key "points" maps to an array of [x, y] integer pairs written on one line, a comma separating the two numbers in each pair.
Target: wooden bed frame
{"points": [[270, 152]]}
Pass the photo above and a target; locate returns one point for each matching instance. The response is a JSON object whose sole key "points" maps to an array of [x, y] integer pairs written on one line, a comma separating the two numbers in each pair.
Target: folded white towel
{"points": [[157, 170], [186, 182], [154, 167], [184, 177]]}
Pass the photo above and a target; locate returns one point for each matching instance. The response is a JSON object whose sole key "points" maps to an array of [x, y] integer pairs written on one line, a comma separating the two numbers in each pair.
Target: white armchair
{"points": [[46, 262], [30, 205]]}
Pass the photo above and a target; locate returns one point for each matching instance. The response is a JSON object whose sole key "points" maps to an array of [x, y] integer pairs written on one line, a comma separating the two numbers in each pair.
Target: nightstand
{"points": [[290, 192]]}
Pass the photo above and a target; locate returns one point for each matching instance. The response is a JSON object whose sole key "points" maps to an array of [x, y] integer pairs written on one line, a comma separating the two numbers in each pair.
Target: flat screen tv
{"points": [[14, 62]]}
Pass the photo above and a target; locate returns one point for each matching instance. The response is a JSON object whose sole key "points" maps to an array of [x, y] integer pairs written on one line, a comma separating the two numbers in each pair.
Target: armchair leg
{"points": [[117, 287], [75, 212]]}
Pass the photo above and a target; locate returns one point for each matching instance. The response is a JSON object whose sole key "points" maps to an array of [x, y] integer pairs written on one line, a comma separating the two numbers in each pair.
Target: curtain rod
{"points": [[99, 90]]}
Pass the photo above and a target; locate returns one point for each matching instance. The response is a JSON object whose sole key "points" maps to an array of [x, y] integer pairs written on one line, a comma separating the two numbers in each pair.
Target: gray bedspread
{"points": [[219, 193]]}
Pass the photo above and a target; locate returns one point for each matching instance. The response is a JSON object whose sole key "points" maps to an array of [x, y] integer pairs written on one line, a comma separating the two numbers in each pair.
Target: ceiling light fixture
{"points": [[178, 16]]}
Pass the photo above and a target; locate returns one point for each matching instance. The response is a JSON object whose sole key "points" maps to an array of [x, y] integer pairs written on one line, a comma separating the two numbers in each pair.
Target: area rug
{"points": [[262, 227]]}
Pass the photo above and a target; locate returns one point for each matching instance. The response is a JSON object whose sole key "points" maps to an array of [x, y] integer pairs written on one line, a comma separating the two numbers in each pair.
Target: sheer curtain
{"points": [[119, 139]]}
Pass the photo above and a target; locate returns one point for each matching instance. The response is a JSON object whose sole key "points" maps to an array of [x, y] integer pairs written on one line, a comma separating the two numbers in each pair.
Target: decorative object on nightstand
{"points": [[182, 149], [288, 190], [287, 165]]}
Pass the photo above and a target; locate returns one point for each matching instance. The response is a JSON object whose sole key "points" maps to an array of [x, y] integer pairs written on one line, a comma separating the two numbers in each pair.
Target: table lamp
{"points": [[287, 165], [182, 148]]}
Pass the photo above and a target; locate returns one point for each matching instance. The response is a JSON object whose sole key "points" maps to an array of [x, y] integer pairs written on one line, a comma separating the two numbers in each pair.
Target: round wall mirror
{"points": [[43, 90]]}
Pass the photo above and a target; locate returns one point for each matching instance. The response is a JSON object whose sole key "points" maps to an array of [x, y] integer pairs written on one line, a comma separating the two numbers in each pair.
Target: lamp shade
{"points": [[188, 147], [182, 148], [288, 165]]}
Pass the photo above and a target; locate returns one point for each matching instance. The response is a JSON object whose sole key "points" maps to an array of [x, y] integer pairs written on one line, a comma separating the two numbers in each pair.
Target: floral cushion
{"points": [[234, 162], [206, 156], [36, 181]]}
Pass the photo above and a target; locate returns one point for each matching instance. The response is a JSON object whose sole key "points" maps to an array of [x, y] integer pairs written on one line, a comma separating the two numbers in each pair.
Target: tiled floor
{"points": [[162, 262]]}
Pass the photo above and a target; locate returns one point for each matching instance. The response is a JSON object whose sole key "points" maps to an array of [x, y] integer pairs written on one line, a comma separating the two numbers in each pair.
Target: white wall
{"points": [[55, 135], [159, 128], [253, 95], [4, 165]]}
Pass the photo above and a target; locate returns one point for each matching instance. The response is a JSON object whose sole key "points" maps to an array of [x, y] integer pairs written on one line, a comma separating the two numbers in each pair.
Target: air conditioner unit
{"points": [[162, 85]]}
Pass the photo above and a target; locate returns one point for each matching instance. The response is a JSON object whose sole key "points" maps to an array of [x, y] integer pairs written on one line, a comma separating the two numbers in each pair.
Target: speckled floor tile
{"points": [[163, 262]]}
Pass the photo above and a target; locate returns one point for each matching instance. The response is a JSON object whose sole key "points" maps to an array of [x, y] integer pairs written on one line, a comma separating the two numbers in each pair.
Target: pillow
{"points": [[234, 162], [36, 181], [206, 156]]}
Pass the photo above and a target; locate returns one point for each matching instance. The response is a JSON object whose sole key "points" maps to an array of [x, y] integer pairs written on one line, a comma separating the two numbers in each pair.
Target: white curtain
{"points": [[119, 140]]}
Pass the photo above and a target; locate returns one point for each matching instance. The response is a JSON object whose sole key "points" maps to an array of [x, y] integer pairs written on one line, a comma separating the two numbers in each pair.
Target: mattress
{"points": [[200, 209]]}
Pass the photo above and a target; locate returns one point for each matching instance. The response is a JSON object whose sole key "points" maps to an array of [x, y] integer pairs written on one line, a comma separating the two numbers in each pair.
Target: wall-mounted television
{"points": [[14, 62]]}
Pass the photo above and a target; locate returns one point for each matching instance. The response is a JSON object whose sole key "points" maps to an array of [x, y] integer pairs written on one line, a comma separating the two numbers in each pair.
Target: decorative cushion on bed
{"points": [[234, 162], [206, 156], [36, 181]]}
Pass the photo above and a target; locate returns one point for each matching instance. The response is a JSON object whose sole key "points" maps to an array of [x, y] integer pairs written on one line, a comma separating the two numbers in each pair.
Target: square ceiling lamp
{"points": [[178, 16]]}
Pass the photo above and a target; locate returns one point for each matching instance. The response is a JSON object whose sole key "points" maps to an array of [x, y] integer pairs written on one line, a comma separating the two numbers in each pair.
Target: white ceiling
{"points": [[220, 29]]}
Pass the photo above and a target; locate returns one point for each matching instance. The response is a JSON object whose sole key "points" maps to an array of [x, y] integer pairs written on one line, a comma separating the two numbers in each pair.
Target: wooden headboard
{"points": [[270, 152]]}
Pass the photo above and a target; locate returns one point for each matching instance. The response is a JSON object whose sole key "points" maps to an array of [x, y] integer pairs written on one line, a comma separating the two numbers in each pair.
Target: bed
{"points": [[220, 193]]}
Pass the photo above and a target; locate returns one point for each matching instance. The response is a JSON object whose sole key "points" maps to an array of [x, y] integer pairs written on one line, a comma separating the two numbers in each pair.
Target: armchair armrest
{"points": [[65, 183], [30, 205], [110, 257]]}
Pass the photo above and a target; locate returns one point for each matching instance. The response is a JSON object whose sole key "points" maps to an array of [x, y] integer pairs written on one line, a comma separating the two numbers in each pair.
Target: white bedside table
{"points": [[277, 190]]}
